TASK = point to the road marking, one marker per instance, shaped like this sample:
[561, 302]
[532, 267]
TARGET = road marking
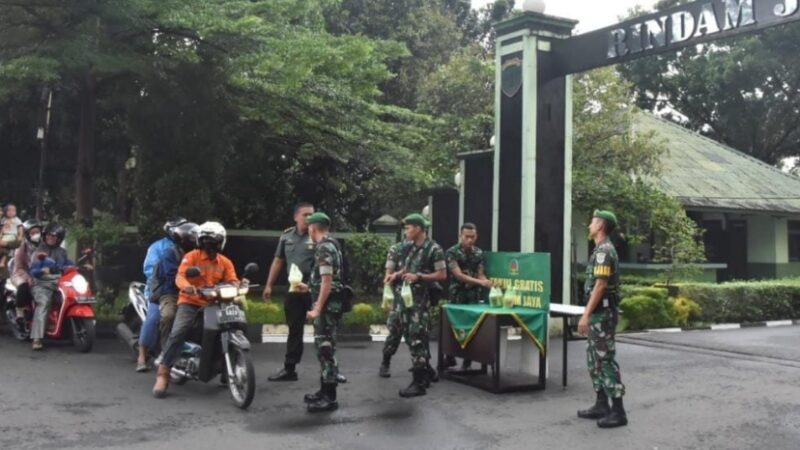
[665, 330]
[779, 323]
[726, 326]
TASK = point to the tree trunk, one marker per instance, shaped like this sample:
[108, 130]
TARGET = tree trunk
[84, 174]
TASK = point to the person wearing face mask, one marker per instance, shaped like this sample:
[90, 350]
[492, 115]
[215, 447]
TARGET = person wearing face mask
[20, 267]
[48, 261]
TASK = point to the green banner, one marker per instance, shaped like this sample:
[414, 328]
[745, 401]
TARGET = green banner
[466, 320]
[526, 273]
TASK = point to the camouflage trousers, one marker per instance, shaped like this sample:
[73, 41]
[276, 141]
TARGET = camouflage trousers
[416, 322]
[394, 324]
[601, 352]
[325, 327]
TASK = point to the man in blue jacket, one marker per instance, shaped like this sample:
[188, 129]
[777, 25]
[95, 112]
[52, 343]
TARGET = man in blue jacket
[162, 259]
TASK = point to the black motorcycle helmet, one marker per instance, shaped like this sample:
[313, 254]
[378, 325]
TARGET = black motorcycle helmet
[57, 229]
[171, 225]
[186, 235]
[29, 225]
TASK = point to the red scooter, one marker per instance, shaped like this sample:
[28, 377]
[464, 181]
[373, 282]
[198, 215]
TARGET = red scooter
[71, 313]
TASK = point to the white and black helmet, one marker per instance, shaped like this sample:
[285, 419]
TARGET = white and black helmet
[212, 231]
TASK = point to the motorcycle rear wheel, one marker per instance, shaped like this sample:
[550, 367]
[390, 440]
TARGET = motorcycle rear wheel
[243, 385]
[10, 314]
[83, 333]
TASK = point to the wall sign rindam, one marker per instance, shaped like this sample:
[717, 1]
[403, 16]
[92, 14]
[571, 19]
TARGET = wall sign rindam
[674, 28]
[681, 26]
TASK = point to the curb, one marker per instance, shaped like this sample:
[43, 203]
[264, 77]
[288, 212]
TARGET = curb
[724, 326]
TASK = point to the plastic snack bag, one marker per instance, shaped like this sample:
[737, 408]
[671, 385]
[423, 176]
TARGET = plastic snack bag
[407, 295]
[496, 296]
[510, 298]
[295, 278]
[388, 297]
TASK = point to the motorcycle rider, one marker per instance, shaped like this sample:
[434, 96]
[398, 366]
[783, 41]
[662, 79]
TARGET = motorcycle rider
[214, 268]
[160, 266]
[47, 262]
[20, 277]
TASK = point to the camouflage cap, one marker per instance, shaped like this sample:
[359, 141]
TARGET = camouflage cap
[608, 216]
[416, 219]
[319, 217]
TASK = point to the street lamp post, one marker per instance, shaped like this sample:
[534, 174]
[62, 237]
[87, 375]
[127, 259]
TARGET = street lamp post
[41, 135]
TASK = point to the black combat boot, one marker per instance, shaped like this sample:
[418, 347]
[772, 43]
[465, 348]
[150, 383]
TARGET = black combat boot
[450, 361]
[327, 401]
[311, 398]
[616, 417]
[384, 371]
[417, 386]
[599, 410]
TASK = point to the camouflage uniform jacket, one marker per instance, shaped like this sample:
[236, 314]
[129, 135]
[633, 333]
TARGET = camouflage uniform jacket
[472, 263]
[327, 261]
[603, 264]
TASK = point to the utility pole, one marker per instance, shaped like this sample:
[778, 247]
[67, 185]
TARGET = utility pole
[41, 135]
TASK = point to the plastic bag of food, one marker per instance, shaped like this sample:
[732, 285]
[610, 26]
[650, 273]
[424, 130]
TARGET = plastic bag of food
[295, 278]
[510, 298]
[388, 297]
[407, 295]
[496, 296]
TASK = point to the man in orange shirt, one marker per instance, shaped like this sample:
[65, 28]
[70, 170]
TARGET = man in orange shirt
[214, 268]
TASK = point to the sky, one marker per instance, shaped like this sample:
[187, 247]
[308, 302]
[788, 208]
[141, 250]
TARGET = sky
[592, 14]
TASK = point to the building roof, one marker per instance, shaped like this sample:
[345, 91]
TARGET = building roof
[705, 174]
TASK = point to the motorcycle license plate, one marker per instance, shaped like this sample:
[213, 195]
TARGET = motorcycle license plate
[231, 314]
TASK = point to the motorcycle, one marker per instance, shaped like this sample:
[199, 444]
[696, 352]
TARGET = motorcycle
[71, 314]
[133, 316]
[217, 344]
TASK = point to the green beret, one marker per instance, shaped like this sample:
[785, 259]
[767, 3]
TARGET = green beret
[416, 219]
[319, 217]
[609, 216]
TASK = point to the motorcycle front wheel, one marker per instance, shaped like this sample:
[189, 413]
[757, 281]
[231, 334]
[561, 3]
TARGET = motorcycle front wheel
[83, 333]
[243, 384]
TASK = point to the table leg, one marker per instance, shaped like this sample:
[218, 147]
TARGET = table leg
[496, 374]
[564, 352]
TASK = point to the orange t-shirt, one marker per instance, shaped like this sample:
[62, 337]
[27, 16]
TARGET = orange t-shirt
[211, 272]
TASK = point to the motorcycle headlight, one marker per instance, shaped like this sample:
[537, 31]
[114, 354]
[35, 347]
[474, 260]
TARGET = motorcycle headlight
[228, 292]
[80, 284]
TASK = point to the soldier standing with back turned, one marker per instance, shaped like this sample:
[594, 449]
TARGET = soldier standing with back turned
[599, 323]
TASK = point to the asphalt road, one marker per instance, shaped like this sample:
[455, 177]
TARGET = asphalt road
[711, 390]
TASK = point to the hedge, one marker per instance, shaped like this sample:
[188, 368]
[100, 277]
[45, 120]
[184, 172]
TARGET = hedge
[753, 301]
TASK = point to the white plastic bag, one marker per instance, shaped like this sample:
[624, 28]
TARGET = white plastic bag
[496, 296]
[407, 295]
[295, 278]
[388, 297]
[510, 298]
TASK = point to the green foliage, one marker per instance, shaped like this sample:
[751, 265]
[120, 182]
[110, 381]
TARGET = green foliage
[366, 254]
[685, 310]
[265, 313]
[653, 292]
[745, 301]
[613, 167]
[737, 91]
[362, 315]
[103, 236]
[643, 312]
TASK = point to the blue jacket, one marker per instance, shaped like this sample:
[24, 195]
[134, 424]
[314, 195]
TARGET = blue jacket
[155, 253]
[56, 260]
[165, 272]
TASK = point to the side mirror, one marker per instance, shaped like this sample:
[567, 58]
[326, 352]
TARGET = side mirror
[250, 271]
[193, 272]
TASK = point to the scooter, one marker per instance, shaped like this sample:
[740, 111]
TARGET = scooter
[217, 344]
[71, 314]
[133, 316]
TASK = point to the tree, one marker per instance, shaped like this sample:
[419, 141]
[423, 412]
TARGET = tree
[743, 91]
[613, 168]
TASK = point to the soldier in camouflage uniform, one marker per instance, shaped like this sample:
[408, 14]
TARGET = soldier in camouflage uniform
[326, 288]
[394, 264]
[468, 282]
[423, 264]
[599, 323]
